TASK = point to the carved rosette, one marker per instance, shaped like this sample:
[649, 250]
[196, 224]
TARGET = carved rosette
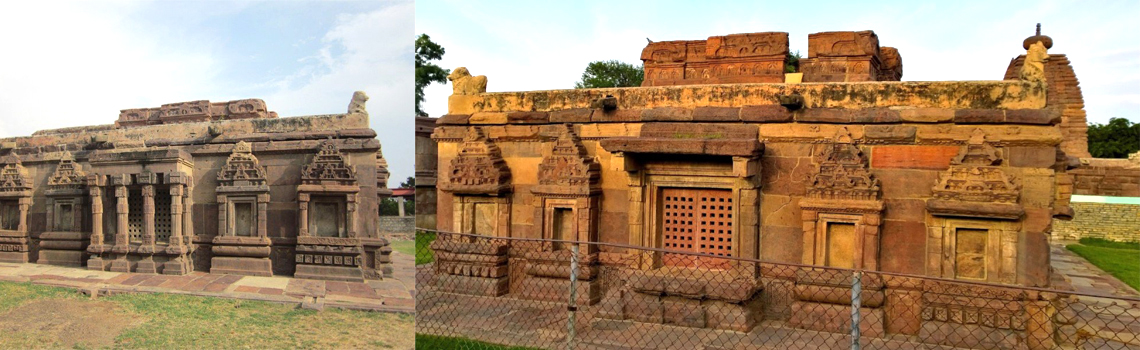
[975, 178]
[568, 170]
[329, 167]
[242, 169]
[479, 168]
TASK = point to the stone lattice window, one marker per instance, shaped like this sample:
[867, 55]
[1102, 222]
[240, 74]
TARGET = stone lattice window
[697, 221]
[135, 215]
[162, 214]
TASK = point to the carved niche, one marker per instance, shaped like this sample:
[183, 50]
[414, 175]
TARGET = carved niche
[480, 180]
[242, 246]
[975, 217]
[566, 206]
[327, 242]
[15, 200]
[843, 209]
[66, 238]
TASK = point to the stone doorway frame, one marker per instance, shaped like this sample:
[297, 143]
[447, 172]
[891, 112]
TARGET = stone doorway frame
[648, 178]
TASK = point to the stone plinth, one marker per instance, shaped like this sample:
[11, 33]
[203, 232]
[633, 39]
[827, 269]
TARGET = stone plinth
[471, 268]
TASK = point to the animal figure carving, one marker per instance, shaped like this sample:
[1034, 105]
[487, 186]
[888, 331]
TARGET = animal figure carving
[462, 83]
[1034, 68]
[359, 98]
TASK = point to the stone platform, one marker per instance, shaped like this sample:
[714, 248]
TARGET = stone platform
[394, 294]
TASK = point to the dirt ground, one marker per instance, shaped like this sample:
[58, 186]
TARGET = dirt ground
[64, 323]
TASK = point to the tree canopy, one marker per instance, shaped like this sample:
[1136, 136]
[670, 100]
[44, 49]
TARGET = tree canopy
[612, 73]
[1117, 139]
[426, 71]
[792, 62]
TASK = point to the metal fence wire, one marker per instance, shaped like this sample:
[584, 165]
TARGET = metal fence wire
[551, 294]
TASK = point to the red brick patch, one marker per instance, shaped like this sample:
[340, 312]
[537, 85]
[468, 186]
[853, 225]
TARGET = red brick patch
[271, 291]
[913, 157]
[246, 289]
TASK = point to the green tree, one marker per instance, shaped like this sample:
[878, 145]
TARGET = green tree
[606, 74]
[409, 183]
[792, 62]
[1117, 139]
[426, 71]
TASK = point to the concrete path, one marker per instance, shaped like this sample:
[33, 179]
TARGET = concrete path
[390, 295]
[1082, 275]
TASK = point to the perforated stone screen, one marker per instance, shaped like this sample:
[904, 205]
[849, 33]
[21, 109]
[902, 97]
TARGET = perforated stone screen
[697, 220]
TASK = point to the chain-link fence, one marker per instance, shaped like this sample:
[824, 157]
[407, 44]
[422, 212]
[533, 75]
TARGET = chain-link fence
[553, 294]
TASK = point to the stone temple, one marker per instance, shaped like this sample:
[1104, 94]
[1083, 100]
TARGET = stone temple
[852, 168]
[223, 187]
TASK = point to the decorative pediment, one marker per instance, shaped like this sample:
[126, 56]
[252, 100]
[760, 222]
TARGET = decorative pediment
[842, 173]
[568, 170]
[242, 168]
[976, 186]
[479, 168]
[68, 175]
[329, 167]
[974, 175]
[14, 179]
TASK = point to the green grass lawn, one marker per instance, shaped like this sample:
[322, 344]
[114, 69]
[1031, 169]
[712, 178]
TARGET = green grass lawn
[424, 341]
[406, 247]
[423, 253]
[33, 317]
[1121, 260]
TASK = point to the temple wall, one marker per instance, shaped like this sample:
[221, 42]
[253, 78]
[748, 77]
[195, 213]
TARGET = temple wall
[909, 131]
[283, 146]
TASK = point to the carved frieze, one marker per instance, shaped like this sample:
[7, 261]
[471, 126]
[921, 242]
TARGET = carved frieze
[568, 170]
[479, 168]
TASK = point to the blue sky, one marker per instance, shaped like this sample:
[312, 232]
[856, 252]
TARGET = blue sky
[79, 63]
[537, 45]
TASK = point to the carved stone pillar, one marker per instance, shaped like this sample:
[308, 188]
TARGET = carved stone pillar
[175, 216]
[350, 222]
[122, 237]
[303, 216]
[96, 248]
[147, 264]
[122, 209]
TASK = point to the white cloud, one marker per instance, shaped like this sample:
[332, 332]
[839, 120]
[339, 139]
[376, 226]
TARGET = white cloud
[79, 65]
[375, 56]
[73, 64]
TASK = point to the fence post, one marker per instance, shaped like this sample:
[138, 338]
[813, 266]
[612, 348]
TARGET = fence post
[856, 303]
[572, 307]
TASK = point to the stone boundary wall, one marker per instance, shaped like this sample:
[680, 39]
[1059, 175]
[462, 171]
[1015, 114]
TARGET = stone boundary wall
[1107, 177]
[397, 224]
[1111, 221]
